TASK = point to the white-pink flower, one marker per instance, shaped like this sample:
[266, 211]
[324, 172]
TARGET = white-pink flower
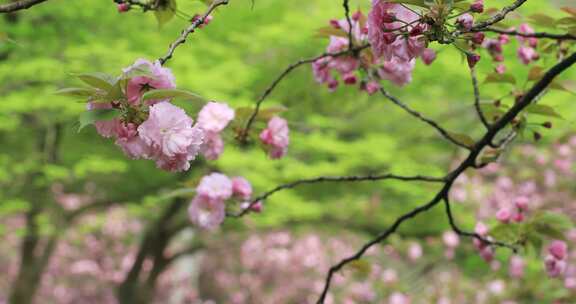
[213, 146]
[169, 129]
[132, 145]
[215, 186]
[149, 76]
[215, 116]
[381, 19]
[397, 71]
[276, 137]
[466, 21]
[206, 213]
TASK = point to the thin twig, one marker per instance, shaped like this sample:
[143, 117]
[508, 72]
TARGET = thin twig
[190, 29]
[244, 134]
[530, 35]
[324, 179]
[347, 14]
[430, 122]
[461, 232]
[477, 98]
[498, 16]
[469, 162]
[18, 5]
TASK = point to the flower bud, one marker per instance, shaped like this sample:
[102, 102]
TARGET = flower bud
[472, 59]
[123, 7]
[477, 6]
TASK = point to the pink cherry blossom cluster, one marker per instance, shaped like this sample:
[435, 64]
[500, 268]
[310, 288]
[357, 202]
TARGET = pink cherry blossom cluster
[208, 208]
[555, 261]
[526, 51]
[396, 36]
[517, 214]
[157, 129]
[484, 249]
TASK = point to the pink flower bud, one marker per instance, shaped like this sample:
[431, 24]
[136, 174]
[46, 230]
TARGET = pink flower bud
[518, 217]
[554, 267]
[477, 7]
[357, 15]
[504, 215]
[503, 38]
[372, 87]
[521, 203]
[472, 59]
[478, 38]
[332, 84]
[241, 187]
[256, 207]
[558, 249]
[466, 21]
[123, 7]
[451, 239]
[335, 24]
[428, 56]
[350, 79]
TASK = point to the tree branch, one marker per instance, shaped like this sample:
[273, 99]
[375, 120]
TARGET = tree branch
[469, 162]
[498, 16]
[18, 5]
[430, 122]
[460, 232]
[277, 80]
[190, 29]
[477, 98]
[323, 179]
[531, 35]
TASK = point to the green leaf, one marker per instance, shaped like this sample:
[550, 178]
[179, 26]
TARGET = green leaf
[165, 12]
[89, 117]
[330, 31]
[535, 73]
[543, 110]
[172, 93]
[565, 86]
[500, 78]
[509, 233]
[76, 92]
[421, 3]
[462, 138]
[97, 80]
[543, 20]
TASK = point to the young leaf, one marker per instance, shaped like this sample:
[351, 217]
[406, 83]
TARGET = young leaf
[76, 92]
[500, 78]
[543, 110]
[165, 12]
[97, 80]
[171, 93]
[543, 20]
[462, 138]
[328, 31]
[535, 73]
[89, 117]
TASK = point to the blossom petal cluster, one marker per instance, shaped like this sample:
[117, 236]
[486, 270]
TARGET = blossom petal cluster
[276, 137]
[156, 129]
[207, 209]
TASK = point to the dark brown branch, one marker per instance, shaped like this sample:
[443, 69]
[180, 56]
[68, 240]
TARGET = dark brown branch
[349, 21]
[18, 5]
[324, 179]
[190, 29]
[277, 80]
[469, 162]
[498, 16]
[417, 114]
[531, 35]
[477, 98]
